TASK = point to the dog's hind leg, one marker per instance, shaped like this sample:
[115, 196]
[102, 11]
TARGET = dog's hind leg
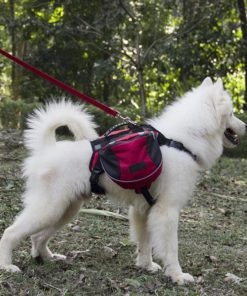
[25, 225]
[40, 250]
[140, 235]
[33, 219]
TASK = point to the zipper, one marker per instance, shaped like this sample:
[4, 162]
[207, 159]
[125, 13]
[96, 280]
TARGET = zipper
[122, 141]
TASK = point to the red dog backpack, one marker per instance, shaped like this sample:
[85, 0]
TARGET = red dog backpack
[130, 157]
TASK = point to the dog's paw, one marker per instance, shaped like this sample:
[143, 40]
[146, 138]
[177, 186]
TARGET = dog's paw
[151, 267]
[49, 257]
[58, 257]
[181, 278]
[10, 268]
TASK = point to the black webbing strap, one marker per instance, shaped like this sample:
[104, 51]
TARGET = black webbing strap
[150, 200]
[162, 140]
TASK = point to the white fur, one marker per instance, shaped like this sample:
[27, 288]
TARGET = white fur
[41, 132]
[58, 175]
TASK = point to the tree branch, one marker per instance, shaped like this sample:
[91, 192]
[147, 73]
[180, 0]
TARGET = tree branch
[129, 13]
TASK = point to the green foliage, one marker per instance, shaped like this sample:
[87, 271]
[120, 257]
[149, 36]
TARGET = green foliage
[13, 113]
[234, 82]
[129, 54]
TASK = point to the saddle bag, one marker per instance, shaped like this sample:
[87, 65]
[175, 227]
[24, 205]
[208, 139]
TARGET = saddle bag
[130, 157]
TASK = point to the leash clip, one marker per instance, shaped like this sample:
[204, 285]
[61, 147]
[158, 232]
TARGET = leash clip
[125, 119]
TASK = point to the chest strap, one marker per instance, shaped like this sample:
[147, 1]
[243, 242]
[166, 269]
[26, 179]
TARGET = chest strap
[174, 144]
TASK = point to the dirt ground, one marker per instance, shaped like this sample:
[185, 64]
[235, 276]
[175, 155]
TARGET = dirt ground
[100, 256]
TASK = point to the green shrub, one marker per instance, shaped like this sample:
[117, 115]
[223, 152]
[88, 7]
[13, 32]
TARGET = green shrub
[13, 113]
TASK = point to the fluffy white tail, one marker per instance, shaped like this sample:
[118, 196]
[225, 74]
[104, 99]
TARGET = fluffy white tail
[44, 122]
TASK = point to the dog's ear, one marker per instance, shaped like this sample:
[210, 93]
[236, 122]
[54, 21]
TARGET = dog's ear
[207, 81]
[219, 91]
[219, 84]
[221, 101]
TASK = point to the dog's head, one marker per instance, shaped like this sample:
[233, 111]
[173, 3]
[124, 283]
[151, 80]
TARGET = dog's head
[231, 126]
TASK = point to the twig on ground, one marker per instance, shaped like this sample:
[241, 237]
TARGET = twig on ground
[62, 291]
[103, 213]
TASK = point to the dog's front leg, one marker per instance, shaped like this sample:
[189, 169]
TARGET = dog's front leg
[163, 226]
[140, 235]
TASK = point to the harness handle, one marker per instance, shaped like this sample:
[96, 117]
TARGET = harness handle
[127, 122]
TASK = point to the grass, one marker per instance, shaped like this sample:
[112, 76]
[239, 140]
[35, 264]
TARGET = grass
[212, 240]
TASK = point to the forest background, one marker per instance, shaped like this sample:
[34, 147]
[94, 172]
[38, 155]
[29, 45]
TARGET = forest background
[136, 56]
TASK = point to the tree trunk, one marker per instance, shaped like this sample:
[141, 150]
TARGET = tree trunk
[139, 68]
[17, 49]
[243, 22]
[106, 89]
[13, 45]
[142, 93]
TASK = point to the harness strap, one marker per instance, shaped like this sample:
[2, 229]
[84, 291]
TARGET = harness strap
[94, 180]
[174, 144]
[150, 200]
[162, 140]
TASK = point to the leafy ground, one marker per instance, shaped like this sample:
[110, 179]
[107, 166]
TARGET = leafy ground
[213, 240]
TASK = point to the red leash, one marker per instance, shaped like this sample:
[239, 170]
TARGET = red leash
[61, 84]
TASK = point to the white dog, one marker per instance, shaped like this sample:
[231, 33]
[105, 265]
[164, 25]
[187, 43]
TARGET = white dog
[58, 175]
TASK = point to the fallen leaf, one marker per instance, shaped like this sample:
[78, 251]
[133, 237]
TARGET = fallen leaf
[211, 258]
[230, 277]
[76, 228]
[109, 251]
[133, 283]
